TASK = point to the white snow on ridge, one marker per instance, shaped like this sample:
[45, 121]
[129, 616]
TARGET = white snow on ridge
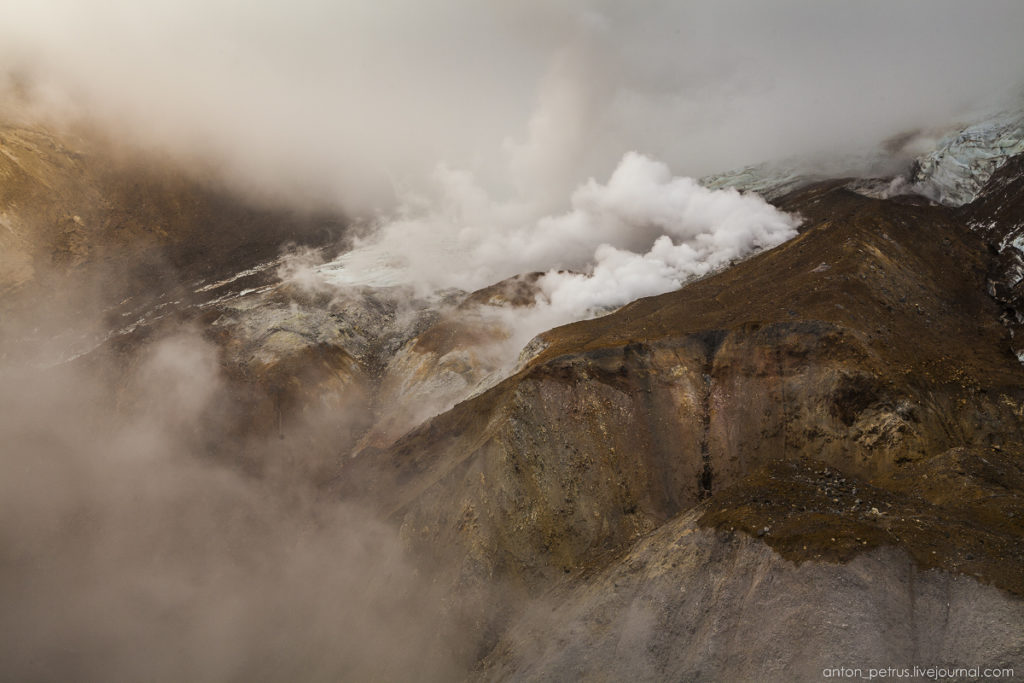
[952, 173]
[239, 275]
[958, 168]
[371, 266]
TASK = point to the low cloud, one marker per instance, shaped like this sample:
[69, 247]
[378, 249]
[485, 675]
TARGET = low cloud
[643, 232]
[127, 554]
[345, 103]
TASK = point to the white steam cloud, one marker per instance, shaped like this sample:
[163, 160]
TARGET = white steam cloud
[701, 230]
[644, 232]
[641, 233]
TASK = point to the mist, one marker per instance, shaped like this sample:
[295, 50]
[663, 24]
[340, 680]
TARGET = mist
[127, 553]
[348, 104]
[640, 233]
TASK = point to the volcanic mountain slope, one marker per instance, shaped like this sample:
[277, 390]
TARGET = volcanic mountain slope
[850, 394]
[103, 252]
[867, 343]
[73, 199]
[814, 455]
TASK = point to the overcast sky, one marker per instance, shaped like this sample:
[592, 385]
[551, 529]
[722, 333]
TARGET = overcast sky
[341, 101]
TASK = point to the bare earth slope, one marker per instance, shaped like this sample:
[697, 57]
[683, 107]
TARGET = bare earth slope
[850, 394]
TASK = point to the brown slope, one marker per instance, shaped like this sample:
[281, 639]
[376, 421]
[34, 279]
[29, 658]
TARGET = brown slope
[883, 269]
[867, 343]
[83, 221]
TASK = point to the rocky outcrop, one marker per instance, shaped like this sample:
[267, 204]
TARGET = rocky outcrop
[466, 347]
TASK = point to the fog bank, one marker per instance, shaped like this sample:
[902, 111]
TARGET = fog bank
[126, 554]
[342, 103]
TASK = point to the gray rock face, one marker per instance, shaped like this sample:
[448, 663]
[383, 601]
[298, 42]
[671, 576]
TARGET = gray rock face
[690, 604]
